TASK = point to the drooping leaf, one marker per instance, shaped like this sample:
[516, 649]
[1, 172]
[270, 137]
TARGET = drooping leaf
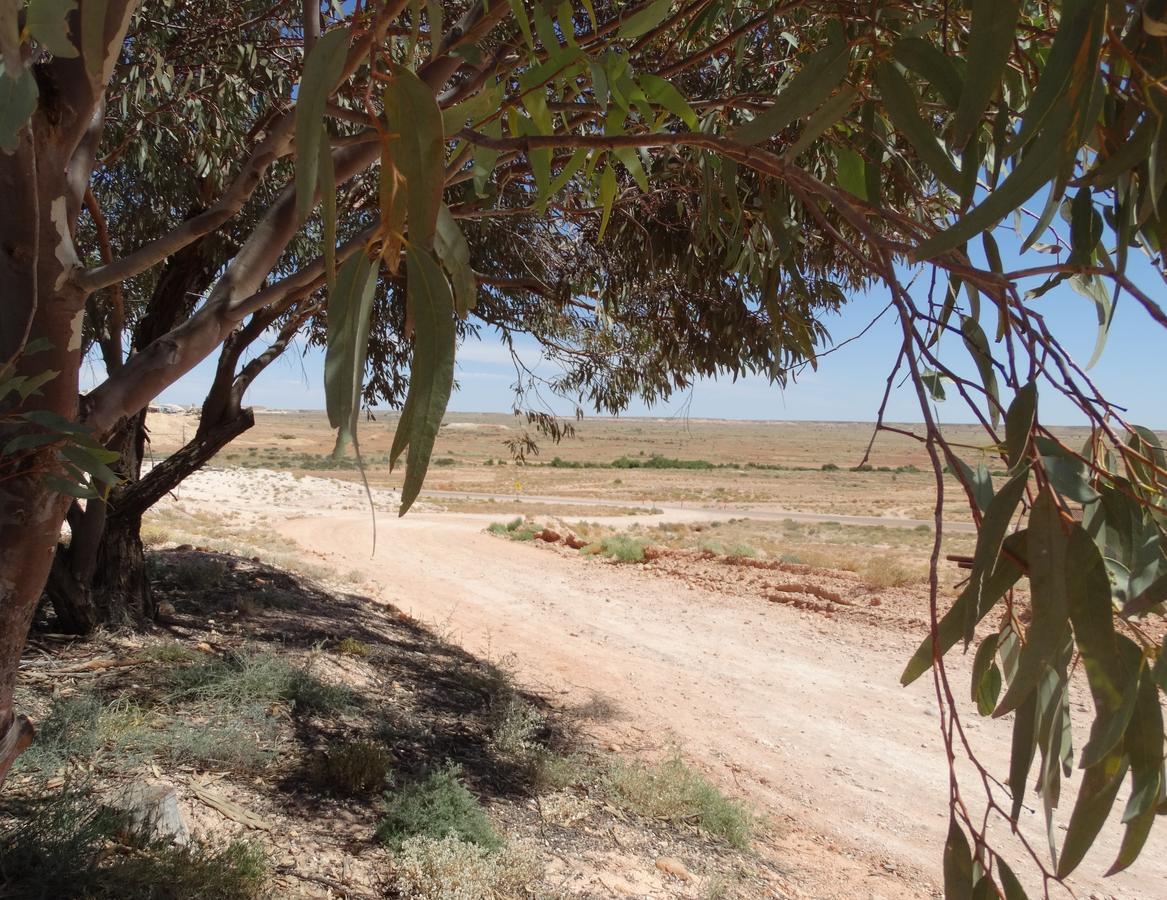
[1019, 423]
[903, 106]
[1096, 796]
[431, 376]
[958, 864]
[994, 30]
[413, 117]
[452, 249]
[820, 74]
[1048, 546]
[1144, 743]
[607, 196]
[978, 347]
[327, 178]
[927, 60]
[662, 93]
[349, 309]
[645, 20]
[322, 72]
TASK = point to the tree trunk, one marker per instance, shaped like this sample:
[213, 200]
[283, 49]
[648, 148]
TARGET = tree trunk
[101, 578]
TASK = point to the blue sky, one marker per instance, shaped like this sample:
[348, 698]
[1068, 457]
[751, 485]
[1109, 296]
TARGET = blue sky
[847, 386]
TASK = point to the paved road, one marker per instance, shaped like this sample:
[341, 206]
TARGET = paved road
[673, 512]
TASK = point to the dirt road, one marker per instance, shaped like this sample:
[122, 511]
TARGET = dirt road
[796, 708]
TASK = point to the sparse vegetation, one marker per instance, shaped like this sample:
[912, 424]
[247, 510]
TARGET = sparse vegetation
[350, 646]
[672, 791]
[438, 807]
[447, 868]
[258, 678]
[357, 768]
[61, 847]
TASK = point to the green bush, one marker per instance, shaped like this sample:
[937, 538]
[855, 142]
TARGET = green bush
[445, 461]
[623, 549]
[438, 807]
[671, 791]
[497, 528]
[515, 523]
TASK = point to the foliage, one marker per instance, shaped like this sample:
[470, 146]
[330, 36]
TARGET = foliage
[672, 791]
[437, 807]
[59, 847]
[657, 191]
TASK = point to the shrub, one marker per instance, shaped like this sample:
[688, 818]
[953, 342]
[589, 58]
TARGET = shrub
[673, 792]
[829, 467]
[438, 807]
[886, 572]
[196, 573]
[60, 847]
[498, 528]
[445, 461]
[239, 737]
[449, 869]
[352, 647]
[357, 768]
[741, 551]
[623, 549]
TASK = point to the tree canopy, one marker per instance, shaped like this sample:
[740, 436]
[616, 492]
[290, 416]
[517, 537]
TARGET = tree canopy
[657, 190]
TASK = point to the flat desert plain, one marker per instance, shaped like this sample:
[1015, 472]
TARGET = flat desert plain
[775, 598]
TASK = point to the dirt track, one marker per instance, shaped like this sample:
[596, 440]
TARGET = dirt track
[800, 708]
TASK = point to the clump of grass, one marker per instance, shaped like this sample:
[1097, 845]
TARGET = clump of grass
[59, 846]
[352, 769]
[741, 551]
[623, 548]
[445, 461]
[172, 653]
[672, 791]
[449, 869]
[239, 737]
[498, 528]
[887, 572]
[515, 523]
[438, 807]
[196, 572]
[85, 728]
[259, 678]
[352, 647]
[514, 738]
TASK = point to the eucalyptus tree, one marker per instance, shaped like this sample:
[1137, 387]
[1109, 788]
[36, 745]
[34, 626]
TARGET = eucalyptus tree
[788, 152]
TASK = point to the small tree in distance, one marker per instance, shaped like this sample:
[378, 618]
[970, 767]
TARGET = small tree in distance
[787, 152]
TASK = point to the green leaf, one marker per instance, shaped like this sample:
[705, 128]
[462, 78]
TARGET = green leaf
[485, 159]
[645, 20]
[569, 170]
[1048, 575]
[934, 382]
[90, 462]
[431, 377]
[828, 115]
[327, 178]
[985, 675]
[958, 864]
[18, 98]
[520, 14]
[1111, 668]
[929, 61]
[953, 624]
[999, 515]
[1144, 742]
[849, 172]
[821, 72]
[412, 114]
[350, 306]
[994, 30]
[627, 155]
[452, 249]
[1019, 424]
[662, 93]
[1009, 883]
[1023, 746]
[903, 107]
[1085, 228]
[48, 22]
[1094, 289]
[978, 347]
[607, 196]
[322, 73]
[1100, 786]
